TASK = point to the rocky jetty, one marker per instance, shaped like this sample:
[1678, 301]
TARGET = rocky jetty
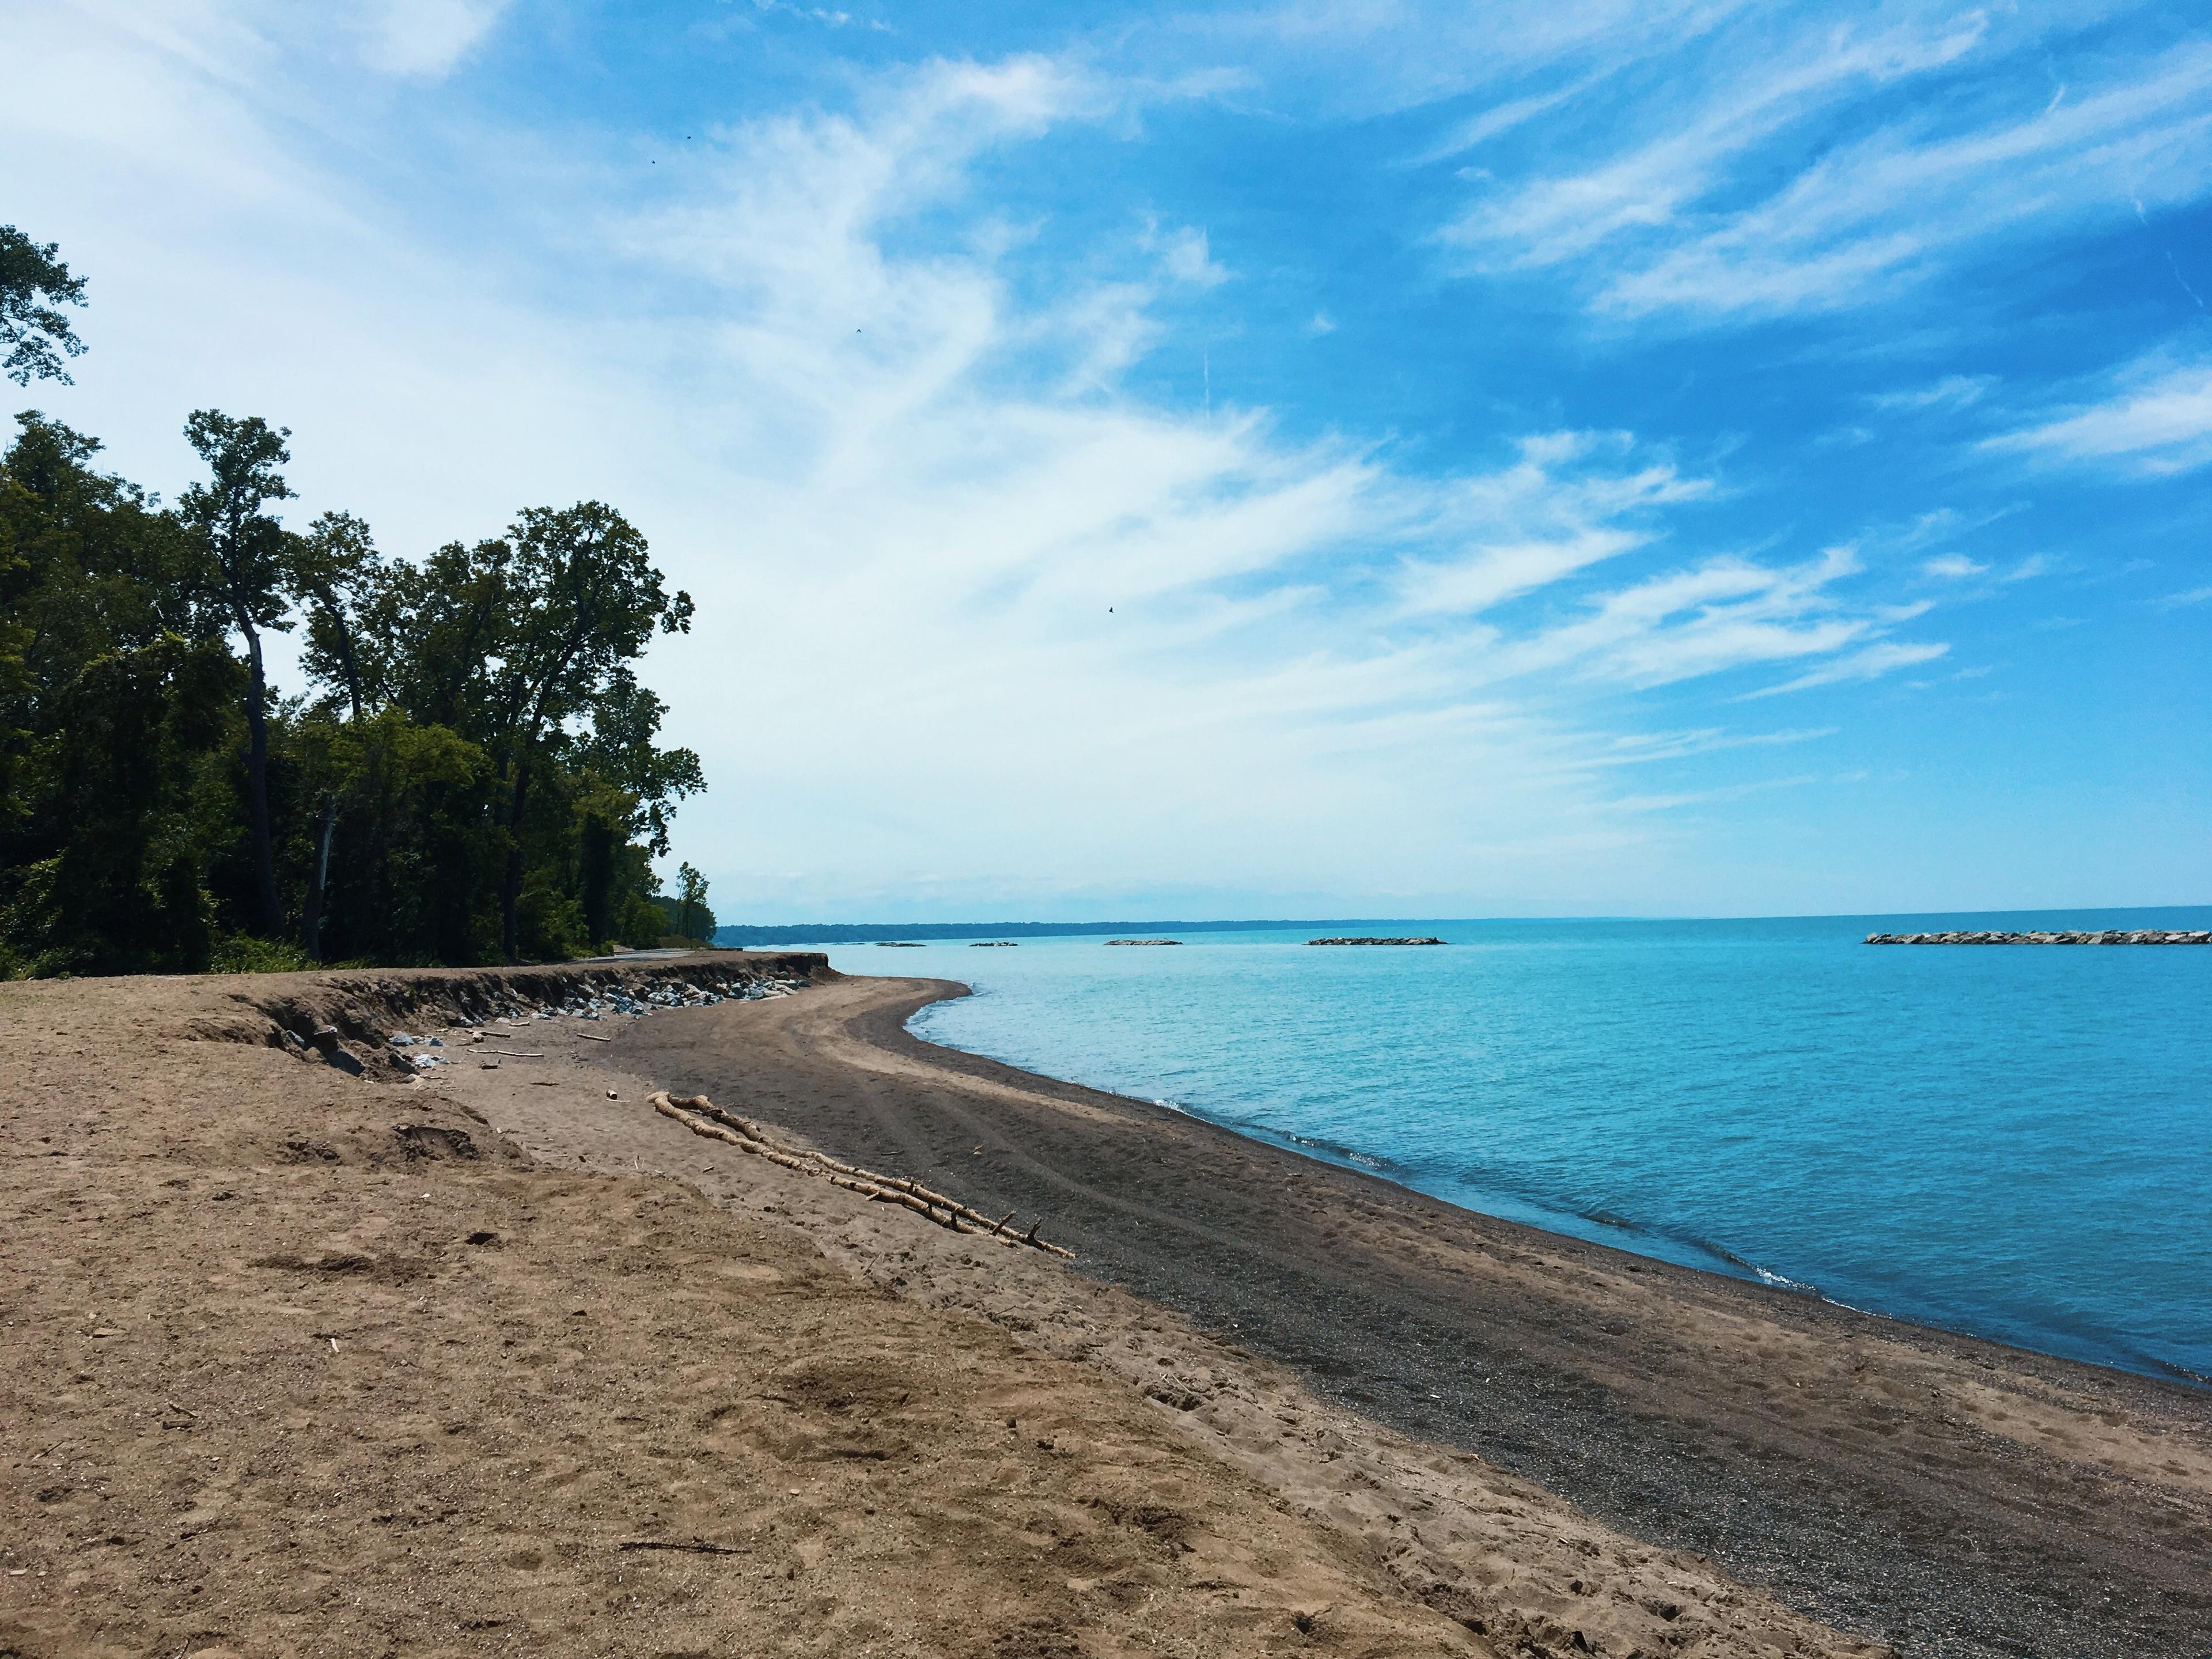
[1375, 941]
[1144, 941]
[2108, 936]
[993, 945]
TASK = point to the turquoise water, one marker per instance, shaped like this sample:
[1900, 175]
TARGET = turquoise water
[2015, 1142]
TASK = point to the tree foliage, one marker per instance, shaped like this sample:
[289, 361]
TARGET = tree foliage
[35, 335]
[475, 773]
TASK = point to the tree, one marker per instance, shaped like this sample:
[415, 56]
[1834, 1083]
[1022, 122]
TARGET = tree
[581, 603]
[248, 555]
[336, 569]
[33, 282]
[691, 912]
[125, 894]
[88, 566]
[337, 573]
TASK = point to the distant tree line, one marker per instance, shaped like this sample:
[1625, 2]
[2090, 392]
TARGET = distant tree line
[473, 774]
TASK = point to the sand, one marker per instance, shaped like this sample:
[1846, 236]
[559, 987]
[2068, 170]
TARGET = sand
[300, 1362]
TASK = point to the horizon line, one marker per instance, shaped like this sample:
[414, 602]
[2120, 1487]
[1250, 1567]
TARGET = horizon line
[965, 929]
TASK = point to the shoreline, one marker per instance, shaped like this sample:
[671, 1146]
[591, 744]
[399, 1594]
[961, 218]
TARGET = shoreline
[1710, 1259]
[1600, 1230]
[1716, 1262]
[1836, 1455]
[660, 1394]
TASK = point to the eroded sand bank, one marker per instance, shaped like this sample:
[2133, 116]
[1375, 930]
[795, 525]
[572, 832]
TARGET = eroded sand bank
[546, 1372]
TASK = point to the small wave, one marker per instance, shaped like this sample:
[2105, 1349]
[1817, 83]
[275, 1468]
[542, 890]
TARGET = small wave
[2174, 1368]
[1328, 1150]
[1763, 1275]
[1607, 1218]
[1333, 1149]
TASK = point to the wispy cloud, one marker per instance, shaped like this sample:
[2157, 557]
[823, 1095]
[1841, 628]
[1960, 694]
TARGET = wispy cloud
[425, 39]
[1186, 256]
[1716, 617]
[1871, 663]
[828, 17]
[2152, 419]
[1952, 392]
[1720, 212]
[1564, 506]
[1549, 220]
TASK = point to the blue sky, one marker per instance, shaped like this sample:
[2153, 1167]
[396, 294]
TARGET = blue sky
[1372, 458]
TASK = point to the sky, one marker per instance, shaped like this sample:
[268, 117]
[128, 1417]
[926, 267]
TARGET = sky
[1551, 457]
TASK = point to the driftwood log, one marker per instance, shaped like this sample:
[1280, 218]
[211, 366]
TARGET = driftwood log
[702, 1117]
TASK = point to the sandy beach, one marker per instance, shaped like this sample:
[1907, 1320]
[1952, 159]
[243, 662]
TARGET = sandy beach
[501, 1359]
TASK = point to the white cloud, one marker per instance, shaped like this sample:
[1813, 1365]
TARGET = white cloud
[2192, 595]
[2152, 419]
[1687, 214]
[829, 17]
[1556, 512]
[1952, 392]
[1382, 55]
[1869, 664]
[980, 619]
[1185, 257]
[426, 39]
[1951, 566]
[1724, 615]
[1551, 220]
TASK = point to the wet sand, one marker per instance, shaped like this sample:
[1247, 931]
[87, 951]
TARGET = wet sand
[1948, 1495]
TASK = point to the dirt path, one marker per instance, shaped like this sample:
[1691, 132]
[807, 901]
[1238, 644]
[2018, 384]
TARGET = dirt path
[1953, 1497]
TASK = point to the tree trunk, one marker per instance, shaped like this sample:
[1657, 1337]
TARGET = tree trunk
[310, 920]
[511, 895]
[257, 786]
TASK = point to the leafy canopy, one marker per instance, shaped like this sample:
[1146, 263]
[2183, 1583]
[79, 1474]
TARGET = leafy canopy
[35, 335]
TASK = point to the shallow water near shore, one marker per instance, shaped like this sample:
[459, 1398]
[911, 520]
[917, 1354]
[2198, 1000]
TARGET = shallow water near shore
[2013, 1141]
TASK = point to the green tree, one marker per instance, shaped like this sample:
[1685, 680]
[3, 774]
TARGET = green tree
[692, 916]
[124, 894]
[336, 570]
[248, 556]
[582, 603]
[337, 574]
[34, 282]
[92, 576]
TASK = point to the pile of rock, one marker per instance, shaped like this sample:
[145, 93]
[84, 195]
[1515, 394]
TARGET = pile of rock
[1375, 941]
[493, 998]
[1144, 941]
[602, 1003]
[2107, 936]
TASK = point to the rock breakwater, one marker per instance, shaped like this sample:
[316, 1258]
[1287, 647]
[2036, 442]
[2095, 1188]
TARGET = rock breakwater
[1432, 940]
[2106, 936]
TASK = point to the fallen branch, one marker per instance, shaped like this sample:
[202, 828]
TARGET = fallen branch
[697, 1547]
[590, 1037]
[514, 1054]
[702, 1117]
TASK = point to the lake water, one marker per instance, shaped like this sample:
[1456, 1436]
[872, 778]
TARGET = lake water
[2015, 1142]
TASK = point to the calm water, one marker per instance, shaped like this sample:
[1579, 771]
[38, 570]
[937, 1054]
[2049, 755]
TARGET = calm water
[2015, 1142]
